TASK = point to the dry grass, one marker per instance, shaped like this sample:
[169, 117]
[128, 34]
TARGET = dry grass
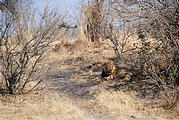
[127, 106]
[39, 107]
[119, 101]
[66, 49]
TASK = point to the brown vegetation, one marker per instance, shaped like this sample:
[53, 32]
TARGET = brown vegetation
[134, 45]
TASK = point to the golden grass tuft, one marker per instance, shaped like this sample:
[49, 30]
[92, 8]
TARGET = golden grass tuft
[39, 107]
[126, 106]
[119, 101]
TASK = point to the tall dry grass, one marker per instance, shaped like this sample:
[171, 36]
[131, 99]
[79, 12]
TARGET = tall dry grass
[128, 106]
[39, 107]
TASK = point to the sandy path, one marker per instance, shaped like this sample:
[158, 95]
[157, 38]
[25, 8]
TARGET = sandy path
[66, 82]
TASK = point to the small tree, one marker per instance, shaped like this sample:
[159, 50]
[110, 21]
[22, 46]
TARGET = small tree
[94, 19]
[25, 38]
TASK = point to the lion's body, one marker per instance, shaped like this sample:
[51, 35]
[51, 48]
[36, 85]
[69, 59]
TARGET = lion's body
[110, 71]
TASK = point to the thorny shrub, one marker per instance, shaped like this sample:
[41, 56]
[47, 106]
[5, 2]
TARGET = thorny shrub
[159, 49]
[24, 43]
[157, 25]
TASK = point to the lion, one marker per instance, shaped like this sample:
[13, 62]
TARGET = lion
[110, 71]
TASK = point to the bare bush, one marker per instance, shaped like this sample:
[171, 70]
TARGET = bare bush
[160, 57]
[116, 26]
[156, 23]
[24, 42]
